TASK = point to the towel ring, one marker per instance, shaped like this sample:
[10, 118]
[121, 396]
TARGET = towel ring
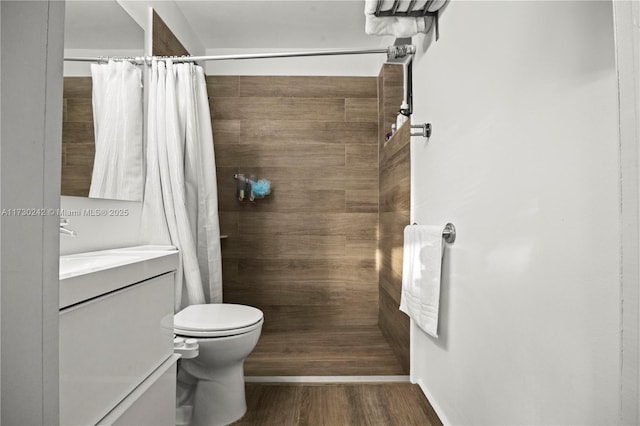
[448, 233]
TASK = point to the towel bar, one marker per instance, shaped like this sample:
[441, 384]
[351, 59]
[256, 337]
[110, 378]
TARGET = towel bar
[448, 233]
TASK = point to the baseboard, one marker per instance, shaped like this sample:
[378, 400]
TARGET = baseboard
[433, 402]
[326, 379]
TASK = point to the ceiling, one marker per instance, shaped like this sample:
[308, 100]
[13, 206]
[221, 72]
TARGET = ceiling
[100, 24]
[278, 24]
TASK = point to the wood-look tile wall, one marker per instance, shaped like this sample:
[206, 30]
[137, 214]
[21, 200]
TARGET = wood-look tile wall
[306, 254]
[164, 42]
[78, 147]
[395, 203]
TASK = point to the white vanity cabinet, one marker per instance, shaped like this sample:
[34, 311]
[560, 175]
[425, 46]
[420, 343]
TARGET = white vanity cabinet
[116, 346]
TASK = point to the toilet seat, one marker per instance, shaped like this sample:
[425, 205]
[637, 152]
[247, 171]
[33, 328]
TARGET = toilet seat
[216, 320]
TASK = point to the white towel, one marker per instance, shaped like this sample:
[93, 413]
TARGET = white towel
[398, 26]
[421, 273]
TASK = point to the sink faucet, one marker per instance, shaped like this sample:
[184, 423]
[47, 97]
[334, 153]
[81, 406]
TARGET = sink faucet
[64, 231]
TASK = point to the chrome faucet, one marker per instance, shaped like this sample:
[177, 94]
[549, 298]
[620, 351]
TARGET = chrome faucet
[64, 231]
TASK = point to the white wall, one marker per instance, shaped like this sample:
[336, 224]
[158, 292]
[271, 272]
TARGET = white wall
[524, 160]
[31, 85]
[627, 34]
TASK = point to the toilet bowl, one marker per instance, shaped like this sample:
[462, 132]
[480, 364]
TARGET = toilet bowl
[226, 335]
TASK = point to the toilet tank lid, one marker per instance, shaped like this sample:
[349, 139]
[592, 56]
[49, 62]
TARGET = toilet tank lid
[216, 316]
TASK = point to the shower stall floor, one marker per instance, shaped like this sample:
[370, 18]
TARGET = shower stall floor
[359, 351]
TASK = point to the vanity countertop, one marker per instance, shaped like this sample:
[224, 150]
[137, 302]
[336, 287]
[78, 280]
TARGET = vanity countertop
[84, 276]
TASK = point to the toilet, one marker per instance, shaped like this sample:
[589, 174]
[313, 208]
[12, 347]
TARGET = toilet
[226, 334]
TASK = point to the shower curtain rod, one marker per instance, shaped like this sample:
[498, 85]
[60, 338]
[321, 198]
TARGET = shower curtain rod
[393, 52]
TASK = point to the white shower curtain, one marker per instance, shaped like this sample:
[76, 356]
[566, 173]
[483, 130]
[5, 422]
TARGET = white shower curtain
[117, 119]
[180, 201]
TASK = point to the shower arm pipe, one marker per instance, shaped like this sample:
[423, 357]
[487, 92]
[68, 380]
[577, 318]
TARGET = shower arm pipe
[393, 52]
[407, 74]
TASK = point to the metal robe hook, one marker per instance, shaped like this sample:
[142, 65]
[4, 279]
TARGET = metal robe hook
[449, 233]
[425, 130]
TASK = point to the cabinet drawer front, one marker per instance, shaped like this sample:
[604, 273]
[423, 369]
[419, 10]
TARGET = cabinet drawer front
[153, 403]
[111, 344]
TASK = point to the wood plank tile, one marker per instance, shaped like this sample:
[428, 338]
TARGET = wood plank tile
[348, 351]
[77, 132]
[308, 86]
[261, 399]
[287, 246]
[361, 201]
[293, 179]
[77, 136]
[311, 270]
[229, 223]
[393, 75]
[362, 247]
[224, 176]
[391, 249]
[394, 206]
[227, 196]
[394, 325]
[80, 154]
[365, 109]
[362, 156]
[77, 87]
[392, 172]
[304, 258]
[228, 126]
[164, 41]
[321, 109]
[310, 223]
[76, 180]
[388, 285]
[329, 403]
[289, 291]
[395, 197]
[308, 131]
[327, 201]
[280, 155]
[362, 178]
[79, 110]
[304, 318]
[371, 402]
[225, 131]
[393, 178]
[406, 405]
[352, 404]
[223, 86]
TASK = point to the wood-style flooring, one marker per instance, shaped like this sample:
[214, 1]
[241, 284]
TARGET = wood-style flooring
[356, 351]
[387, 404]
